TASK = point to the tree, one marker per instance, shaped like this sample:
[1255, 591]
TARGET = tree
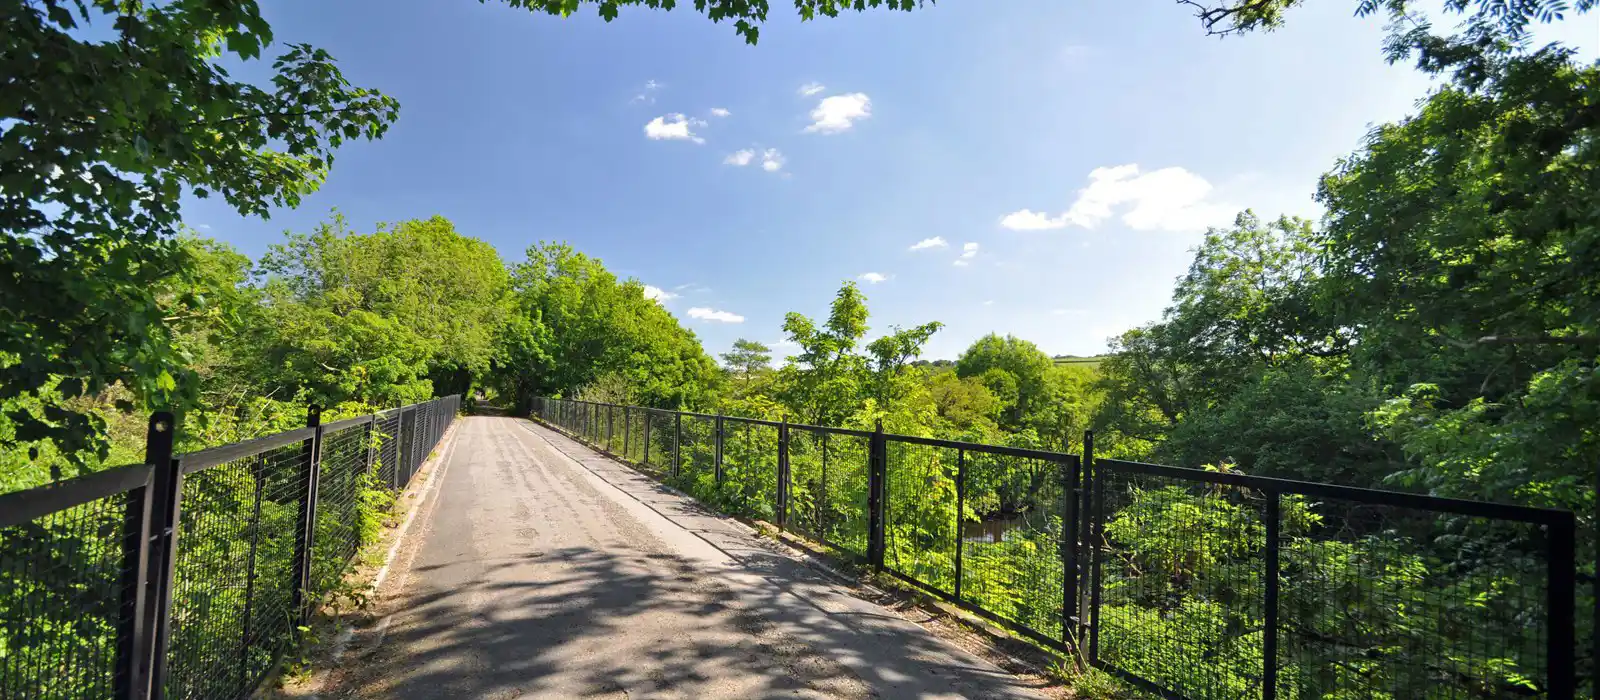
[1013, 369]
[1510, 16]
[748, 358]
[1249, 303]
[576, 322]
[386, 318]
[891, 355]
[822, 383]
[746, 14]
[101, 139]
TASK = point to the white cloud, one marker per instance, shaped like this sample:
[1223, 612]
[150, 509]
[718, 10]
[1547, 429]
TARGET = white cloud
[839, 112]
[1028, 220]
[926, 243]
[658, 294]
[647, 93]
[969, 251]
[673, 127]
[720, 112]
[960, 263]
[810, 89]
[990, 302]
[873, 277]
[719, 316]
[1169, 199]
[771, 160]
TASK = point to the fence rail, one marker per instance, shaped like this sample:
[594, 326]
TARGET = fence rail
[1186, 583]
[190, 576]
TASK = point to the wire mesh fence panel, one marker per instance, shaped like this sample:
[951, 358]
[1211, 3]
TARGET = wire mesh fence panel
[920, 517]
[808, 484]
[1384, 602]
[387, 452]
[233, 584]
[343, 525]
[662, 435]
[613, 441]
[844, 517]
[749, 469]
[1011, 538]
[419, 451]
[697, 457]
[61, 579]
[1181, 568]
[596, 415]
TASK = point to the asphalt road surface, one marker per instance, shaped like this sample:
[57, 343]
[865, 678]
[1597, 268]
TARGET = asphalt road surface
[542, 569]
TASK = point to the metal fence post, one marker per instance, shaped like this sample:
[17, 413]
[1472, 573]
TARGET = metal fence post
[166, 496]
[627, 430]
[961, 510]
[783, 474]
[305, 535]
[1070, 614]
[717, 443]
[250, 575]
[1085, 534]
[876, 461]
[677, 444]
[132, 671]
[1096, 495]
[1562, 642]
[645, 460]
[822, 493]
[1269, 642]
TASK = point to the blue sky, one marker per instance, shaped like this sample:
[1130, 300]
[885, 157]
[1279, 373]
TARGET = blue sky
[1075, 149]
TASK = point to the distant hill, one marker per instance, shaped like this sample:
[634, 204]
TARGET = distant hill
[1077, 360]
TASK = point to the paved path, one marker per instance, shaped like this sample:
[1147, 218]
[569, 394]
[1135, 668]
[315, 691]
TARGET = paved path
[546, 570]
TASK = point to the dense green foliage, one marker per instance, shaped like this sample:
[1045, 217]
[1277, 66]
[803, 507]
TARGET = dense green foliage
[573, 323]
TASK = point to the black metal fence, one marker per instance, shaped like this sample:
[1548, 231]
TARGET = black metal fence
[190, 576]
[1186, 583]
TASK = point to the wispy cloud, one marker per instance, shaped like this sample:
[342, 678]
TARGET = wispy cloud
[674, 127]
[968, 252]
[719, 112]
[873, 277]
[839, 112]
[811, 88]
[989, 302]
[717, 315]
[1169, 199]
[771, 160]
[657, 294]
[647, 94]
[929, 243]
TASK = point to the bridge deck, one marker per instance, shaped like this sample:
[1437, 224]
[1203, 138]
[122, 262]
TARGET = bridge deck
[543, 569]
